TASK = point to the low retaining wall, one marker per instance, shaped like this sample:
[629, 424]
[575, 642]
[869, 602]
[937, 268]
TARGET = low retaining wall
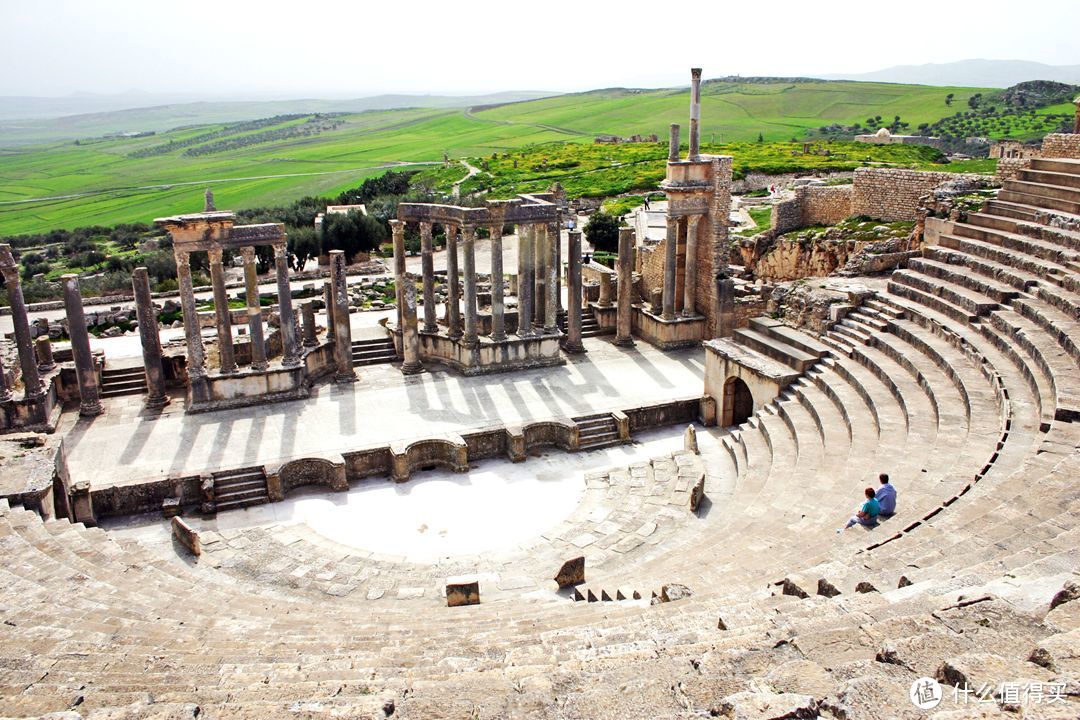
[397, 461]
[1061, 145]
[892, 195]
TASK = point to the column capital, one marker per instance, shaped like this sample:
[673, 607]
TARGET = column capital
[280, 251]
[248, 253]
[214, 253]
[397, 227]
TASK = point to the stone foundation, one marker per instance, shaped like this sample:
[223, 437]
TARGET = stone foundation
[247, 387]
[668, 334]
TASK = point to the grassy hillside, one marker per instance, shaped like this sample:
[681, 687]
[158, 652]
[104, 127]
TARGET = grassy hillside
[125, 180]
[735, 111]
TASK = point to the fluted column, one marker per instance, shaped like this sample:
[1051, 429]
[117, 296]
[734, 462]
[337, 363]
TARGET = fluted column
[572, 343]
[539, 275]
[290, 347]
[226, 356]
[196, 353]
[397, 230]
[468, 236]
[526, 281]
[670, 260]
[690, 270]
[427, 262]
[498, 321]
[328, 304]
[623, 317]
[85, 372]
[551, 306]
[150, 339]
[343, 366]
[254, 309]
[410, 337]
[19, 318]
[454, 283]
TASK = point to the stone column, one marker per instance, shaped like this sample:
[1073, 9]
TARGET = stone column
[551, 284]
[605, 290]
[673, 143]
[690, 273]
[397, 229]
[254, 309]
[454, 283]
[498, 321]
[290, 347]
[526, 280]
[670, 260]
[89, 389]
[572, 343]
[226, 357]
[328, 304]
[196, 354]
[623, 318]
[19, 318]
[410, 337]
[427, 260]
[695, 114]
[5, 389]
[343, 366]
[468, 235]
[151, 340]
[43, 350]
[539, 275]
[308, 328]
[558, 267]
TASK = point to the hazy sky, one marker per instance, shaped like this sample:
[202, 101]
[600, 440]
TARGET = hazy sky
[348, 48]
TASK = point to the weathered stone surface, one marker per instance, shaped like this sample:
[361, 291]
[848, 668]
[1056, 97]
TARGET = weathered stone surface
[674, 591]
[571, 573]
[1068, 593]
[766, 706]
[788, 587]
[826, 588]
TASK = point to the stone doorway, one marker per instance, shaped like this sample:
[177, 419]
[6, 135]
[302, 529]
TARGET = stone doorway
[738, 402]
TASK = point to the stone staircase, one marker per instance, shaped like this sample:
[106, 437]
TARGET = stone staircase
[123, 381]
[373, 351]
[776, 341]
[597, 431]
[589, 326]
[240, 488]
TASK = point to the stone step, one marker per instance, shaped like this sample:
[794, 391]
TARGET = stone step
[1039, 230]
[996, 291]
[876, 303]
[120, 373]
[1045, 269]
[1051, 177]
[789, 335]
[1018, 279]
[1058, 165]
[1010, 210]
[1037, 196]
[776, 349]
[1015, 241]
[1044, 190]
[973, 304]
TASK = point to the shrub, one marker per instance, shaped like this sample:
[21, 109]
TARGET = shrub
[602, 231]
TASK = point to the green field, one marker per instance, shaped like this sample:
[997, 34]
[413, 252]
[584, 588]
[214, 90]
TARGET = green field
[111, 186]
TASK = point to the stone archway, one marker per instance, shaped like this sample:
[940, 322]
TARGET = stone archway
[738, 402]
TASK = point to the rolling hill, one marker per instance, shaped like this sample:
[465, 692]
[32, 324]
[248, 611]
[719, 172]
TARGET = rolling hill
[64, 185]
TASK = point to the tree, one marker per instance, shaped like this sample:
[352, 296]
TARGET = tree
[602, 231]
[973, 101]
[354, 233]
[949, 98]
[303, 246]
[760, 138]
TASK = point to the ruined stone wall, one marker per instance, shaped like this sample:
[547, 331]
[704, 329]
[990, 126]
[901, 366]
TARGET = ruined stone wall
[892, 195]
[652, 265]
[812, 205]
[761, 181]
[713, 248]
[1061, 145]
[1009, 168]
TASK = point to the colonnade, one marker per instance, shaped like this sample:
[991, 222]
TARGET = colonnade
[538, 287]
[670, 301]
[291, 356]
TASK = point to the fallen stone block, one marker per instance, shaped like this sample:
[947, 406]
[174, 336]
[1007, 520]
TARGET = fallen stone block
[1068, 593]
[186, 535]
[674, 591]
[826, 588]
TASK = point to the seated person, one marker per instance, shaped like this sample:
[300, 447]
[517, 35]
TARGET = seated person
[867, 514]
[886, 496]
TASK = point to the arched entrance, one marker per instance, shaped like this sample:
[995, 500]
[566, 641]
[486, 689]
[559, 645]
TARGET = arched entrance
[738, 402]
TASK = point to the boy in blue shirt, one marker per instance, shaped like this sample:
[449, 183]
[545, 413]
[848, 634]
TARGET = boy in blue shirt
[867, 515]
